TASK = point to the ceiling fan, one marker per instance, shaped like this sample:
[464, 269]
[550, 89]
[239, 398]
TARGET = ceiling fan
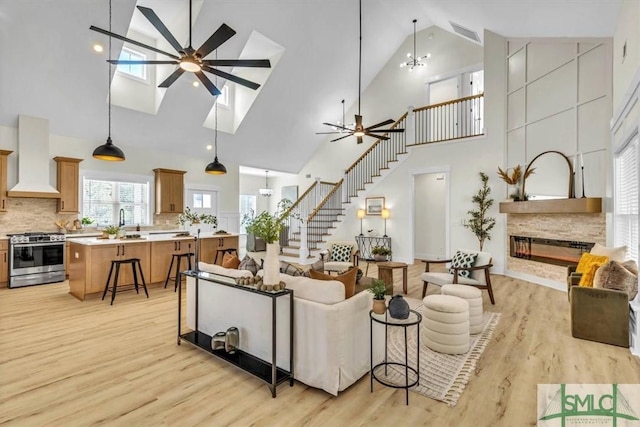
[360, 131]
[191, 59]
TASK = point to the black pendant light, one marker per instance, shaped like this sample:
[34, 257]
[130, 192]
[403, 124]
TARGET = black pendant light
[215, 167]
[108, 151]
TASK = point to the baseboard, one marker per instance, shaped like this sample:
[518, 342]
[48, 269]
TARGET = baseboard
[537, 280]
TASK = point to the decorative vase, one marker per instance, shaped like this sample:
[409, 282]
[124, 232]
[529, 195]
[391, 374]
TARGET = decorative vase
[112, 236]
[398, 307]
[232, 340]
[218, 341]
[378, 306]
[272, 265]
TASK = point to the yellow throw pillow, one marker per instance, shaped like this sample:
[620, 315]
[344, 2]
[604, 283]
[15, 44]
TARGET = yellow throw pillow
[587, 277]
[587, 259]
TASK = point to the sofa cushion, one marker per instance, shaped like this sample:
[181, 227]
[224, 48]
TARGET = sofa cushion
[218, 269]
[341, 253]
[587, 259]
[317, 266]
[348, 279]
[230, 261]
[614, 275]
[290, 269]
[320, 291]
[616, 254]
[463, 260]
[249, 264]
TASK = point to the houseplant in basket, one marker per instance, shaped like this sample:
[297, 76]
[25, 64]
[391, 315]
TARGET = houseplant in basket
[380, 253]
[378, 289]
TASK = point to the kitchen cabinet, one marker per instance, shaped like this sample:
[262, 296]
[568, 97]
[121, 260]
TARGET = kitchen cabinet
[3, 181]
[169, 190]
[68, 177]
[161, 254]
[4, 262]
[210, 246]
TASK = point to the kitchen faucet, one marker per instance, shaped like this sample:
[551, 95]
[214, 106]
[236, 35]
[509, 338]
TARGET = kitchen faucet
[121, 223]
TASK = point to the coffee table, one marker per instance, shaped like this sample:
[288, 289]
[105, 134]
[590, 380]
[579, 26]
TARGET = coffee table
[385, 273]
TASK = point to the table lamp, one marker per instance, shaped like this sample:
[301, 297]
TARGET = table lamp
[360, 216]
[385, 215]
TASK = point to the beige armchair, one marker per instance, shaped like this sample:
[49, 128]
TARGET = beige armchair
[480, 277]
[332, 259]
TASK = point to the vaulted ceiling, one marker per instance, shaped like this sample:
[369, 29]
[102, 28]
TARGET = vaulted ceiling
[49, 70]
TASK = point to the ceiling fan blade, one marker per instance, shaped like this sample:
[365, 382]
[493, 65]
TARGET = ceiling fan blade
[231, 77]
[259, 63]
[156, 22]
[338, 126]
[342, 137]
[222, 34]
[386, 122]
[119, 37]
[327, 133]
[386, 130]
[359, 139]
[207, 83]
[172, 78]
[122, 61]
[384, 138]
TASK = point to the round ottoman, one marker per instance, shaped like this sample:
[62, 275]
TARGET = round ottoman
[474, 298]
[446, 324]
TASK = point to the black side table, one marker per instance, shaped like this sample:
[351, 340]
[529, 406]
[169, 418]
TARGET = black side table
[414, 319]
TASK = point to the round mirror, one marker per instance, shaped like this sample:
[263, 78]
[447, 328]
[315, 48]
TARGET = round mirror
[551, 179]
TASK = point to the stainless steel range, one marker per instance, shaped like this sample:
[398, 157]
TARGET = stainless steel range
[36, 259]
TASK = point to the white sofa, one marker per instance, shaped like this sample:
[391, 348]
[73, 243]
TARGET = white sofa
[331, 334]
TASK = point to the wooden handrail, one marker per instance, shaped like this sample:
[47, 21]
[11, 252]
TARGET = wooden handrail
[453, 101]
[324, 201]
[286, 213]
[374, 144]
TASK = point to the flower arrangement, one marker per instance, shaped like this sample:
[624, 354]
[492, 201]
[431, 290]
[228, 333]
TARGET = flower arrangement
[191, 218]
[514, 178]
[267, 226]
[112, 229]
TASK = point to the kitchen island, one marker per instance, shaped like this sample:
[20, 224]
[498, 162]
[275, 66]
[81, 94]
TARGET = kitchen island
[89, 258]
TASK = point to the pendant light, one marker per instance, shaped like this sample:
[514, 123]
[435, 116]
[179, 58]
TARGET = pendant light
[108, 151]
[215, 167]
[414, 61]
[266, 192]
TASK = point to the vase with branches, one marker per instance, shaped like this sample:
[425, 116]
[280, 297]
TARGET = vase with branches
[480, 223]
[514, 180]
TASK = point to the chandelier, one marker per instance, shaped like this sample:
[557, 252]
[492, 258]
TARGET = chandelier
[266, 192]
[414, 61]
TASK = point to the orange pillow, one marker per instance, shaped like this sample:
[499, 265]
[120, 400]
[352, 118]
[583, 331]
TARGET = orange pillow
[348, 279]
[230, 261]
[587, 277]
[587, 259]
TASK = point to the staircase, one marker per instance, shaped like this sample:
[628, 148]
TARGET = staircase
[314, 215]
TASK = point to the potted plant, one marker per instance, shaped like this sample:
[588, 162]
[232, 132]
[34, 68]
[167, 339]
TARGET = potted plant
[378, 289]
[513, 180]
[112, 231]
[380, 253]
[86, 221]
[192, 218]
[481, 224]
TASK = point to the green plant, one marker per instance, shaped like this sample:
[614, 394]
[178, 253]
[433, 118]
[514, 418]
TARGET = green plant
[111, 229]
[86, 221]
[480, 224]
[267, 226]
[193, 218]
[378, 288]
[380, 250]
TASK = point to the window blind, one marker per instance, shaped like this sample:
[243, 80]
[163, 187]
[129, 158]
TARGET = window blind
[626, 201]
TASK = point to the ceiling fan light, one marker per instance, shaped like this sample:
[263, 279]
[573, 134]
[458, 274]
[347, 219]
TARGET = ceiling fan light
[189, 64]
[108, 152]
[358, 133]
[215, 168]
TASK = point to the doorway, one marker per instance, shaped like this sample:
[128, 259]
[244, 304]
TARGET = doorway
[203, 201]
[431, 214]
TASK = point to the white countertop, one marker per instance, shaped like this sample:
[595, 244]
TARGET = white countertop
[162, 237]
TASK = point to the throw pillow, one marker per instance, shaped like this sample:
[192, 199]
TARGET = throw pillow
[290, 269]
[587, 277]
[341, 253]
[614, 275]
[249, 264]
[587, 259]
[631, 266]
[616, 254]
[348, 279]
[463, 260]
[230, 261]
[317, 266]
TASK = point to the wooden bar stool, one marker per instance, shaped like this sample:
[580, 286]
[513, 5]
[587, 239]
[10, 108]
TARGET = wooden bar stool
[179, 257]
[225, 251]
[116, 263]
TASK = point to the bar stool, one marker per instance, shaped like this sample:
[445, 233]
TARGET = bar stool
[116, 263]
[179, 257]
[225, 251]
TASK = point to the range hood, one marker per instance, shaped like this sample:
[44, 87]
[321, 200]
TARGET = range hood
[33, 160]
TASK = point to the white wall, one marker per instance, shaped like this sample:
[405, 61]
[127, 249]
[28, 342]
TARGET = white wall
[430, 216]
[251, 184]
[627, 31]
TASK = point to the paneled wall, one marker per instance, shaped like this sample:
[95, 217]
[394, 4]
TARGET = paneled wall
[559, 98]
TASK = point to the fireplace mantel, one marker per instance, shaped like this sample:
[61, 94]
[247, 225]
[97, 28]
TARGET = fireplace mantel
[560, 206]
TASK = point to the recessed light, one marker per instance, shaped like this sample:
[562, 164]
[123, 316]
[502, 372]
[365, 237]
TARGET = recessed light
[209, 147]
[195, 84]
[98, 47]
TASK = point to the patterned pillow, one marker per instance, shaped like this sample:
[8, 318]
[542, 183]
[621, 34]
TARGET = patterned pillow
[463, 260]
[316, 266]
[290, 269]
[249, 264]
[341, 253]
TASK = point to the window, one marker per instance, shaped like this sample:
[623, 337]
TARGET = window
[626, 200]
[103, 200]
[136, 70]
[223, 98]
[247, 205]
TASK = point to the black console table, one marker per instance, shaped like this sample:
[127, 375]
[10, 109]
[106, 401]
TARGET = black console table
[261, 369]
[366, 243]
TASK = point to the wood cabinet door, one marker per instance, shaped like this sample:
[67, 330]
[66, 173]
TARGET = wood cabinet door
[4, 266]
[100, 263]
[176, 189]
[208, 248]
[3, 180]
[68, 184]
[135, 250]
[169, 191]
[161, 253]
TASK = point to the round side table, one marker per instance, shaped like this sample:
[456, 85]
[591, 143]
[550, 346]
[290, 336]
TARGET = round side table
[414, 319]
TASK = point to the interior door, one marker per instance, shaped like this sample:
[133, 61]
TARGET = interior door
[203, 202]
[443, 121]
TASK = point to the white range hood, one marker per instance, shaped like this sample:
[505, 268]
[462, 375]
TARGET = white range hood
[33, 160]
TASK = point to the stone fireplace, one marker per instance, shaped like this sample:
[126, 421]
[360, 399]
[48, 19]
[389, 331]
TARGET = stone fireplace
[550, 251]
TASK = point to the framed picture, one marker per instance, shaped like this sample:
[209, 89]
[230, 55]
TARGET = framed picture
[374, 205]
[289, 192]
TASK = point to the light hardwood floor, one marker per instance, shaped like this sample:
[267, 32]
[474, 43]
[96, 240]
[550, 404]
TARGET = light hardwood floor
[66, 362]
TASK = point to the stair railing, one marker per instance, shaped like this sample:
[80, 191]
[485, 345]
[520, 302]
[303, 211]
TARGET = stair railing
[446, 121]
[324, 215]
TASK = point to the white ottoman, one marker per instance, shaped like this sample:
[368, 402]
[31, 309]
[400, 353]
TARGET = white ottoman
[474, 298]
[446, 324]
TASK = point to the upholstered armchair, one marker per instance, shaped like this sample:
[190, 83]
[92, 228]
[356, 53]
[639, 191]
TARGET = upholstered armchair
[600, 315]
[339, 256]
[480, 277]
